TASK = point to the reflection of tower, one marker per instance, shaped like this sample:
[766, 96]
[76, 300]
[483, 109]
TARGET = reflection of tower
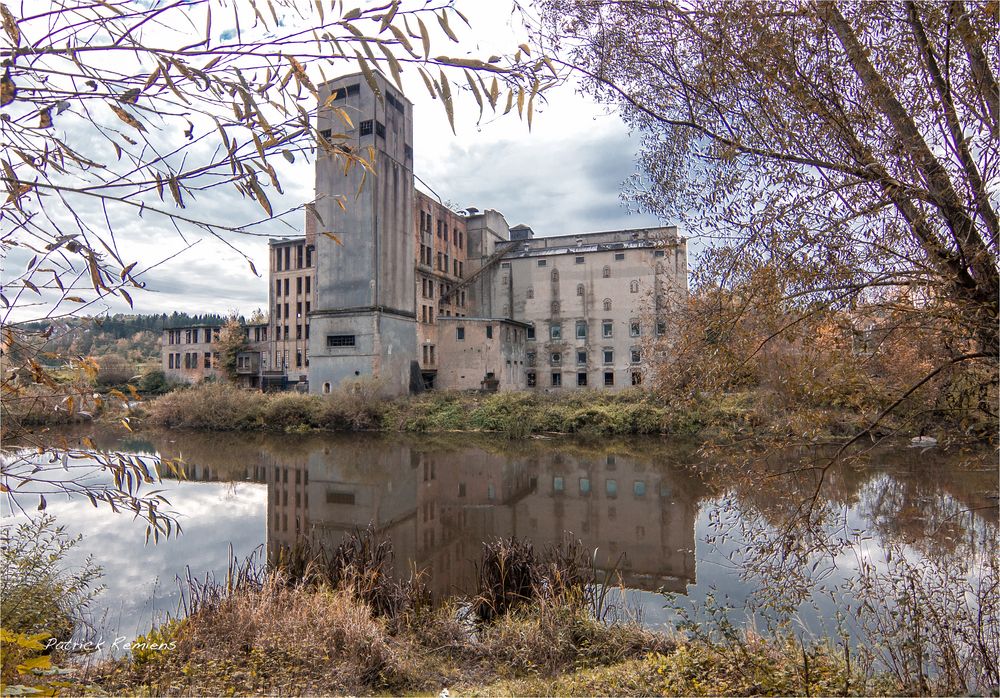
[287, 504]
[364, 320]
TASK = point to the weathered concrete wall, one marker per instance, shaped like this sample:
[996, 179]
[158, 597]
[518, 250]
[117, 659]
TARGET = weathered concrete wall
[466, 362]
[364, 277]
[605, 292]
[486, 231]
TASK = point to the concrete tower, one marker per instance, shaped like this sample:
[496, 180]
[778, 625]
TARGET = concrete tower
[363, 323]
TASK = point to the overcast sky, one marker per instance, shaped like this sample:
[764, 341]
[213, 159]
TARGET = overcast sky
[562, 177]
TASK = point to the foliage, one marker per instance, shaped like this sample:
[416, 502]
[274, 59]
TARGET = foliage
[836, 157]
[232, 340]
[38, 592]
[218, 406]
[123, 115]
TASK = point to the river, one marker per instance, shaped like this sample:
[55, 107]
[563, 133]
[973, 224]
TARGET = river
[673, 525]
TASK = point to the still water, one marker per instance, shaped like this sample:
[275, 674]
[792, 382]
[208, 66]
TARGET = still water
[665, 517]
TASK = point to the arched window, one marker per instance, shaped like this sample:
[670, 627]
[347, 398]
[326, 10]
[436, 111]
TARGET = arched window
[607, 304]
[555, 274]
[579, 289]
[634, 287]
[326, 388]
[530, 293]
[606, 272]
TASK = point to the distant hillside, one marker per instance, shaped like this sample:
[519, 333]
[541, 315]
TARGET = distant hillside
[135, 338]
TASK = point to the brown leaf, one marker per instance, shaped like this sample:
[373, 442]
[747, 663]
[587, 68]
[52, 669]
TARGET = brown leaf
[45, 118]
[8, 90]
[127, 118]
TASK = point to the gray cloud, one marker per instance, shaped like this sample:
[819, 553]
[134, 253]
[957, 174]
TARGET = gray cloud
[557, 186]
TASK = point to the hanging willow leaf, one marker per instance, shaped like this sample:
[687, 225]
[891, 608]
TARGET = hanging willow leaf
[425, 37]
[449, 107]
[369, 76]
[127, 118]
[333, 237]
[8, 90]
[443, 21]
[10, 25]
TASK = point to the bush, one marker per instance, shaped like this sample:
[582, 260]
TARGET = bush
[38, 593]
[292, 410]
[210, 405]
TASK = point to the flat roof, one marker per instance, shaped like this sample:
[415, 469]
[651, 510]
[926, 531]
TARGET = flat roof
[507, 320]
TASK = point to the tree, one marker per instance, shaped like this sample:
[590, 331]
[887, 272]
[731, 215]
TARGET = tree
[120, 112]
[232, 340]
[848, 150]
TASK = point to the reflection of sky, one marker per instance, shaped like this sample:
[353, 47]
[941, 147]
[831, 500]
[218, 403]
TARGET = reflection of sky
[141, 579]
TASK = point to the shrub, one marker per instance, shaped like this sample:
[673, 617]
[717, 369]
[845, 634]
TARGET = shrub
[210, 405]
[38, 593]
[291, 410]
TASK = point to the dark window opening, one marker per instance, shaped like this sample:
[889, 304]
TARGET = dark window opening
[340, 340]
[380, 129]
[365, 127]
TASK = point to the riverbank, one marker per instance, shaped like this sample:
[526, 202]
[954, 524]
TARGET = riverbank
[220, 407]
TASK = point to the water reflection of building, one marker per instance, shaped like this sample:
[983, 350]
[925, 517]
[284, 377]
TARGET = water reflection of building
[438, 506]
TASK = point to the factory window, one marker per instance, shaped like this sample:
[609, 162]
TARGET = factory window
[542, 263]
[531, 332]
[408, 151]
[619, 256]
[288, 262]
[579, 289]
[581, 356]
[298, 257]
[579, 260]
[636, 355]
[584, 485]
[633, 328]
[298, 284]
[606, 272]
[530, 358]
[555, 358]
[285, 293]
[555, 331]
[309, 261]
[340, 340]
[555, 275]
[661, 328]
[326, 388]
[446, 232]
[532, 381]
[609, 356]
[607, 328]
[298, 332]
[607, 304]
[298, 309]
[277, 287]
[611, 487]
[365, 127]
[170, 361]
[530, 293]
[581, 329]
[380, 129]
[460, 333]
[298, 359]
[636, 378]
[639, 488]
[609, 378]
[633, 287]
[207, 361]
[581, 379]
[658, 253]
[555, 307]
[558, 483]
[556, 379]
[489, 332]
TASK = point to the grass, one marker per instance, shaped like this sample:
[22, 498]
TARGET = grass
[223, 407]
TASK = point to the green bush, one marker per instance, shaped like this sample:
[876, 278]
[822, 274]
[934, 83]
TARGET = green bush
[292, 410]
[38, 593]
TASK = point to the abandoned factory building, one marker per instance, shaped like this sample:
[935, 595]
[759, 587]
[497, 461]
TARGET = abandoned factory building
[391, 284]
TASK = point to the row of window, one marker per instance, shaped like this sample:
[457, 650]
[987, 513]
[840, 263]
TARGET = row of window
[460, 334]
[283, 332]
[281, 358]
[287, 313]
[193, 335]
[607, 329]
[301, 282]
[582, 378]
[608, 355]
[610, 486]
[190, 360]
[283, 258]
[581, 290]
